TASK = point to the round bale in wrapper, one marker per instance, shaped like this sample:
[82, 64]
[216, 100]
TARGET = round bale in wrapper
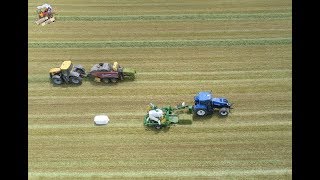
[106, 72]
[101, 119]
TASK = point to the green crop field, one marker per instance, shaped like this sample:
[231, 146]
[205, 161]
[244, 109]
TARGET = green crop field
[239, 49]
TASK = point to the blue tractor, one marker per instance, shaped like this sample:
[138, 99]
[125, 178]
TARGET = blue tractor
[205, 104]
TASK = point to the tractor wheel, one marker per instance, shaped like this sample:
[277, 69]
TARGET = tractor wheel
[201, 112]
[157, 126]
[114, 80]
[224, 111]
[106, 80]
[56, 80]
[75, 80]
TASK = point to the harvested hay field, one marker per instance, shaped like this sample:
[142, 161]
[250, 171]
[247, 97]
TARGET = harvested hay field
[239, 50]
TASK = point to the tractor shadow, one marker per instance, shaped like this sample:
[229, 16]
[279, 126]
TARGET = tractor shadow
[92, 82]
[157, 131]
[215, 115]
[65, 85]
[95, 83]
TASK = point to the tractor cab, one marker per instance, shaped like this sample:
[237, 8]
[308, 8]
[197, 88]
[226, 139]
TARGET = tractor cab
[54, 71]
[67, 73]
[203, 102]
[66, 67]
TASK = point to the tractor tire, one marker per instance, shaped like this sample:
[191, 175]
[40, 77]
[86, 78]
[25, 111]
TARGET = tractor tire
[75, 80]
[201, 112]
[106, 80]
[114, 80]
[57, 81]
[224, 111]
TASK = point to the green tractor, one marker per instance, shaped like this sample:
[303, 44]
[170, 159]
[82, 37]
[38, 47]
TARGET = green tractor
[67, 73]
[166, 116]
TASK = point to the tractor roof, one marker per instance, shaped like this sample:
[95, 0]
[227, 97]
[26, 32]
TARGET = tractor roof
[53, 70]
[65, 65]
[203, 96]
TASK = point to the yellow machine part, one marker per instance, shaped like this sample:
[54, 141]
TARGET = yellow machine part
[65, 65]
[115, 66]
[96, 79]
[54, 70]
[163, 120]
[41, 14]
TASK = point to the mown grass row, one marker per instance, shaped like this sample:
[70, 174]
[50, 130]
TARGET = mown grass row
[144, 58]
[72, 31]
[183, 78]
[259, 96]
[184, 17]
[168, 43]
[147, 7]
[97, 151]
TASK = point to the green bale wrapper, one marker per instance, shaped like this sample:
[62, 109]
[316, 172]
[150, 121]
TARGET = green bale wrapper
[185, 118]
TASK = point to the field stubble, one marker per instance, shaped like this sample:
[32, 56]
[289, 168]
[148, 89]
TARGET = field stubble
[253, 142]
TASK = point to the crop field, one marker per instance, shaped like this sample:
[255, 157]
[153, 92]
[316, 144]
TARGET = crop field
[239, 49]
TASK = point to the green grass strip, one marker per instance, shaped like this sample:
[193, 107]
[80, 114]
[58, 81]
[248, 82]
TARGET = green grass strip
[227, 16]
[162, 174]
[159, 43]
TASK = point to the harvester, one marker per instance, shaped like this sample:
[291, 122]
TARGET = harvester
[45, 14]
[106, 72]
[67, 73]
[166, 116]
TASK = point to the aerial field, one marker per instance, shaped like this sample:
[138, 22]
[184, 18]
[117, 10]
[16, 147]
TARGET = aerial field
[241, 50]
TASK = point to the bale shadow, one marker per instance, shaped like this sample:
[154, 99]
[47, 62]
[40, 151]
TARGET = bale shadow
[157, 131]
[99, 125]
[202, 118]
[128, 79]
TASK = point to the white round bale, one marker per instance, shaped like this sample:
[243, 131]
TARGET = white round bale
[101, 119]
